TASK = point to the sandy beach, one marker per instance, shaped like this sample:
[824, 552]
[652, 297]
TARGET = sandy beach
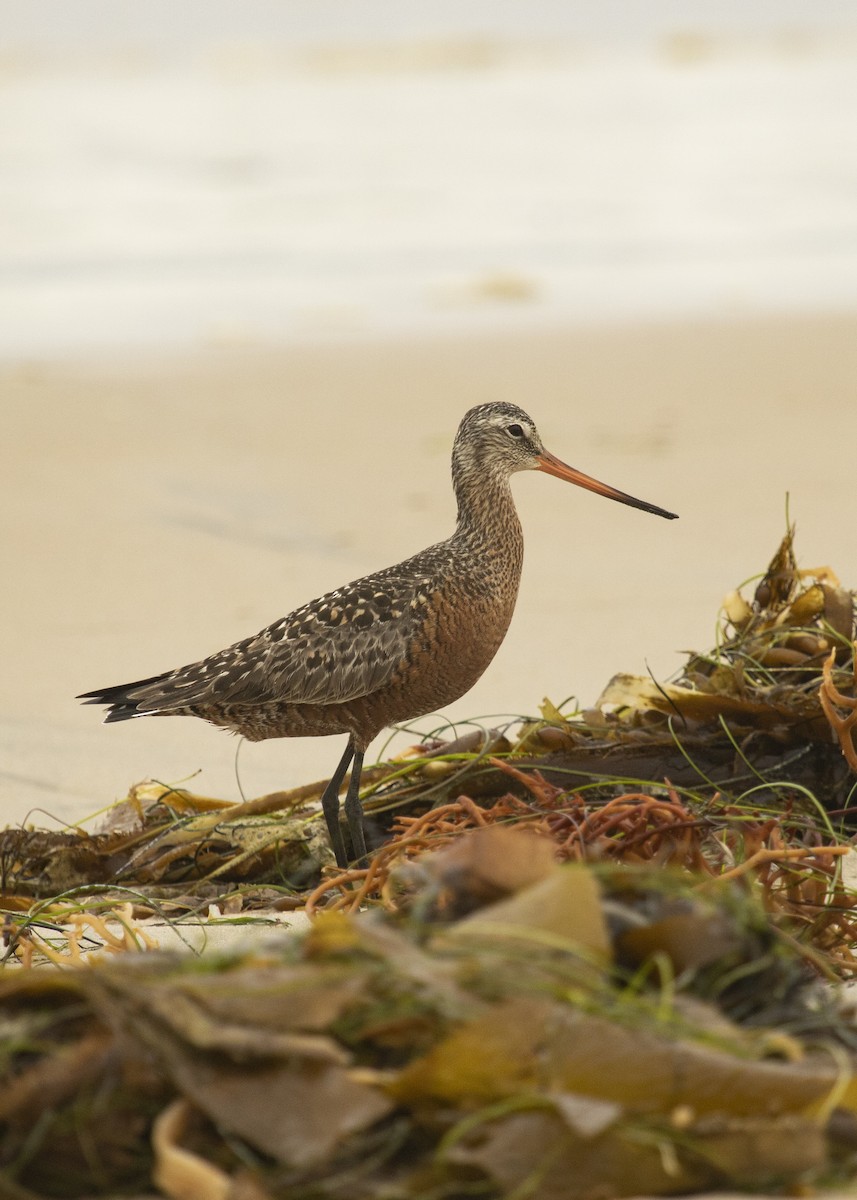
[156, 510]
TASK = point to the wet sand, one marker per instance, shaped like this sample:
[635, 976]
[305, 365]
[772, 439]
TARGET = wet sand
[154, 510]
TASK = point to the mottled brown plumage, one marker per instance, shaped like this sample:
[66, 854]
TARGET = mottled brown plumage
[386, 648]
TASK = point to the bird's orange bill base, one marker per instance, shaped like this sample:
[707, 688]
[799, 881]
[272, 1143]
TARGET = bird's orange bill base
[555, 466]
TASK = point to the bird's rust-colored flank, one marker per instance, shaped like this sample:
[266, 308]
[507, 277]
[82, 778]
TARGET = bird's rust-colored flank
[389, 647]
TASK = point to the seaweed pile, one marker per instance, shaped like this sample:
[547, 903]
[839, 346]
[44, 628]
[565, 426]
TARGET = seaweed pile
[517, 1027]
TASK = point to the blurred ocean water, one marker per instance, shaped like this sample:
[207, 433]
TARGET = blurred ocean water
[180, 174]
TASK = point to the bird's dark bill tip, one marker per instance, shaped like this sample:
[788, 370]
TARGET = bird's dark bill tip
[643, 505]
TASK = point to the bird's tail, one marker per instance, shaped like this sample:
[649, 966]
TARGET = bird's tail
[123, 699]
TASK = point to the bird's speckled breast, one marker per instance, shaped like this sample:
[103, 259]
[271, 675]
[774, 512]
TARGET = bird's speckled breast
[458, 640]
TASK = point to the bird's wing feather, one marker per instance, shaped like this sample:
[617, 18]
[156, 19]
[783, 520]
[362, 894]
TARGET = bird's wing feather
[345, 645]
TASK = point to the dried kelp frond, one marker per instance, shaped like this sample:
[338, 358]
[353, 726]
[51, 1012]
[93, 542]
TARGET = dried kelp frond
[763, 679]
[559, 1024]
[166, 840]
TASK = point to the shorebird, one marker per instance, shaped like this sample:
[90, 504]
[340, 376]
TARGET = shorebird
[386, 648]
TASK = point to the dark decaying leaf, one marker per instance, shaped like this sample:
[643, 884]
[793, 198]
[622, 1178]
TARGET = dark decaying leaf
[495, 862]
[288, 1095]
[542, 1154]
[298, 1112]
[530, 1044]
[564, 904]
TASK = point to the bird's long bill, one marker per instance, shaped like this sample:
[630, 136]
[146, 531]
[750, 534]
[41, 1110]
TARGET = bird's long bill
[554, 466]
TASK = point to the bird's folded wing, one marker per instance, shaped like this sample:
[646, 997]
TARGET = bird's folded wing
[343, 646]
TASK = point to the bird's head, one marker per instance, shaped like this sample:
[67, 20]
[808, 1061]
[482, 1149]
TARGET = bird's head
[501, 439]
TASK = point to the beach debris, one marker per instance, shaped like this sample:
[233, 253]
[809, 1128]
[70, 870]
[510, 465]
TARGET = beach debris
[592, 1028]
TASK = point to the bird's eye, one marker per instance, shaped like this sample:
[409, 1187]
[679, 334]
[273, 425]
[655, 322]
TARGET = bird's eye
[515, 430]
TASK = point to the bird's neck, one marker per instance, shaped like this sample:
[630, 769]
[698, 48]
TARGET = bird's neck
[487, 519]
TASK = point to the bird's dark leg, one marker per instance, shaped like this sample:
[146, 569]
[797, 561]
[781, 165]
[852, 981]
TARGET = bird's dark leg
[330, 805]
[354, 809]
